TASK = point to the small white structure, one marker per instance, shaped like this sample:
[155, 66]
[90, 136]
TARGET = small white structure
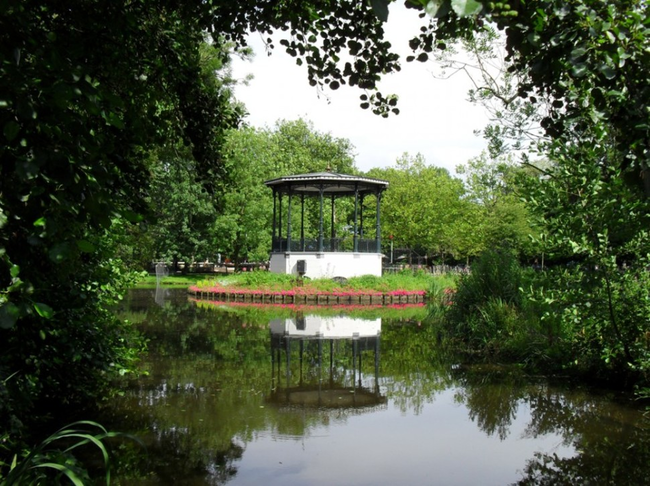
[345, 390]
[327, 265]
[332, 255]
[326, 327]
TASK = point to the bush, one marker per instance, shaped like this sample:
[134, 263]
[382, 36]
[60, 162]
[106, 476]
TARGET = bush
[494, 282]
[600, 313]
[54, 458]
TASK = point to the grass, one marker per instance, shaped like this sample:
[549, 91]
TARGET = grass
[172, 281]
[270, 282]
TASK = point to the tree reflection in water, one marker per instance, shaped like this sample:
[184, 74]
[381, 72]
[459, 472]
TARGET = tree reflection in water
[220, 381]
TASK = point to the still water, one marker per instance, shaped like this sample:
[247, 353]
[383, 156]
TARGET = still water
[244, 395]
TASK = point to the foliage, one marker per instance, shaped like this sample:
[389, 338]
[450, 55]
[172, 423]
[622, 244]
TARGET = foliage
[593, 216]
[260, 280]
[587, 59]
[424, 209]
[489, 316]
[487, 301]
[151, 281]
[439, 300]
[53, 459]
[503, 221]
[514, 121]
[88, 90]
[580, 69]
[184, 212]
[243, 227]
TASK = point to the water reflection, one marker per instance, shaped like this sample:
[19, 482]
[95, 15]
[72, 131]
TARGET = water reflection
[244, 395]
[320, 339]
[162, 293]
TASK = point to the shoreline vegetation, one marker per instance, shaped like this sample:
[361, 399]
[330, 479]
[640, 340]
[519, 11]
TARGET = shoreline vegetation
[260, 313]
[265, 286]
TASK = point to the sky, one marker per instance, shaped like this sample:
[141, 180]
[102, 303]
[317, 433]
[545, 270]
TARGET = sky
[435, 119]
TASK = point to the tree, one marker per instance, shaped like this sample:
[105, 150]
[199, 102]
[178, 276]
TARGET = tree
[243, 229]
[588, 213]
[586, 63]
[514, 121]
[184, 212]
[503, 217]
[423, 207]
[588, 59]
[89, 88]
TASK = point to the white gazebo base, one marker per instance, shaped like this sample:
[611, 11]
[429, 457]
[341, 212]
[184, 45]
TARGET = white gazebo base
[327, 265]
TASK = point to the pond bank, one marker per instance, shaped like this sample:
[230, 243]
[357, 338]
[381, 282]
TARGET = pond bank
[308, 296]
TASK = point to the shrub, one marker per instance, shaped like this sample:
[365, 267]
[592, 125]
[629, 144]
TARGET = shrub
[495, 277]
[54, 458]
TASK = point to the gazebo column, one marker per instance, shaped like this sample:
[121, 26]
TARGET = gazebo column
[378, 225]
[332, 230]
[280, 220]
[355, 237]
[361, 218]
[377, 365]
[273, 239]
[320, 220]
[302, 222]
[289, 224]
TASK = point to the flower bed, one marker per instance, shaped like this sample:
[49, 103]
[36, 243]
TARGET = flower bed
[306, 295]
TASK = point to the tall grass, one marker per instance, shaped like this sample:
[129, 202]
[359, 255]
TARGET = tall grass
[491, 316]
[407, 281]
[53, 459]
[486, 311]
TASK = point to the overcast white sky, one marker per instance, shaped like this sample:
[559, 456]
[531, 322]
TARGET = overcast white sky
[435, 117]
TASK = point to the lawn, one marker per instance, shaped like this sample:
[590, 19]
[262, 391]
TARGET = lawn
[271, 282]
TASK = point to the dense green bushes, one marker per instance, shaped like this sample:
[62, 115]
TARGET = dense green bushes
[585, 320]
[262, 280]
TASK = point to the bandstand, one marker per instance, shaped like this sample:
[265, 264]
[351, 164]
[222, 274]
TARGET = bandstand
[323, 344]
[321, 255]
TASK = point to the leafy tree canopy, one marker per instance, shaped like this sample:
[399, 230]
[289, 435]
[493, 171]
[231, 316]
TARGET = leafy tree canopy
[423, 205]
[243, 229]
[89, 87]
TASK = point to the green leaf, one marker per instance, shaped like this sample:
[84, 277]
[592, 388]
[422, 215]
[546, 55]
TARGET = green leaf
[40, 222]
[431, 8]
[14, 271]
[86, 246]
[380, 7]
[9, 313]
[132, 216]
[466, 8]
[578, 53]
[59, 252]
[579, 70]
[11, 129]
[608, 71]
[72, 476]
[43, 310]
[114, 120]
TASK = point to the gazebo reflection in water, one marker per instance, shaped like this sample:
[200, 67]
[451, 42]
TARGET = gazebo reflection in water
[323, 365]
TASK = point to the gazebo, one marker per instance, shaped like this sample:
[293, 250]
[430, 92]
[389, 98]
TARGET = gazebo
[325, 256]
[320, 338]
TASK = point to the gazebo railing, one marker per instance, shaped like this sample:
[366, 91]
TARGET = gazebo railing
[364, 245]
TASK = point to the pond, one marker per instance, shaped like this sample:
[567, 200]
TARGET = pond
[245, 394]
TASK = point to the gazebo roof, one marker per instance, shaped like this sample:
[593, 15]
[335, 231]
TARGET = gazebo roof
[331, 183]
